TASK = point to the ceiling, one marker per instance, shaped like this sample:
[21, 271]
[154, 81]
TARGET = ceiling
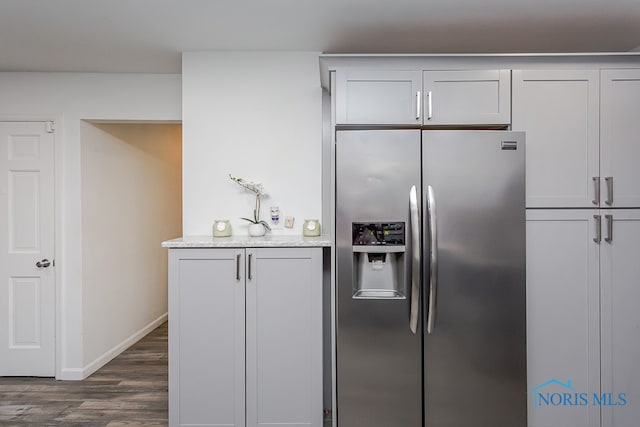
[149, 35]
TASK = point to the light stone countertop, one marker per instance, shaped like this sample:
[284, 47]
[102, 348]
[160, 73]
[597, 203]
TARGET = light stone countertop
[267, 241]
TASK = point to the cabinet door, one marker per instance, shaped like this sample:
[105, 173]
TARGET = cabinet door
[620, 318]
[206, 337]
[472, 97]
[378, 97]
[559, 111]
[284, 337]
[563, 342]
[620, 137]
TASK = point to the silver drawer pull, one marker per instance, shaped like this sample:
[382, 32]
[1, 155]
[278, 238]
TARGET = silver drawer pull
[598, 237]
[609, 237]
[609, 181]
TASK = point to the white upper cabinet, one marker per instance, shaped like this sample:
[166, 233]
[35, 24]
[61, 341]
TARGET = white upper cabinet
[620, 138]
[366, 97]
[559, 111]
[469, 97]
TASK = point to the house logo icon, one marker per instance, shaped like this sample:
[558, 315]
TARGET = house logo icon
[537, 389]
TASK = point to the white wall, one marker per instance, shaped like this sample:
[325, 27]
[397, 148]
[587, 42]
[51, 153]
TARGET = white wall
[131, 201]
[256, 115]
[68, 98]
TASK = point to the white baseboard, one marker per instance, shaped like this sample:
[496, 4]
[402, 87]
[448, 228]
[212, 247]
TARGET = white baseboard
[115, 351]
[71, 374]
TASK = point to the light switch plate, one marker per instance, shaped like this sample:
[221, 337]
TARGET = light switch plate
[288, 221]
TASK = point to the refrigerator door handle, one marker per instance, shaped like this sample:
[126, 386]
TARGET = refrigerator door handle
[433, 259]
[415, 260]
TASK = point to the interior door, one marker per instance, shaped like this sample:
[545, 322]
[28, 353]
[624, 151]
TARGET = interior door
[27, 289]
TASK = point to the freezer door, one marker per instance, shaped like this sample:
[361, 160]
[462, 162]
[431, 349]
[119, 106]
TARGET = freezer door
[475, 352]
[379, 358]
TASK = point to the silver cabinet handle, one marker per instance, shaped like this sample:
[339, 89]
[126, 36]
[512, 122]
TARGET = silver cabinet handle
[238, 267]
[598, 237]
[433, 259]
[609, 237]
[249, 266]
[609, 181]
[415, 260]
[430, 106]
[596, 183]
[418, 105]
[43, 264]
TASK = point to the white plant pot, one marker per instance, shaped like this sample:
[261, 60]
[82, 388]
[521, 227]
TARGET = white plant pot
[257, 230]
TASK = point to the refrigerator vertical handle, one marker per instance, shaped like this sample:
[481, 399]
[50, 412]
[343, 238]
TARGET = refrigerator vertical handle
[415, 260]
[609, 181]
[433, 259]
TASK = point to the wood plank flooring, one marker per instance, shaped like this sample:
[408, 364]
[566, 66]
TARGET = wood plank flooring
[131, 390]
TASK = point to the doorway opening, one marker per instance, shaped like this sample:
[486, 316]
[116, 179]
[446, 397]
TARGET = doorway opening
[131, 201]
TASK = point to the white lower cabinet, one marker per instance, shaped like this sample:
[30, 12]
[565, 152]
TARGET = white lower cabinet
[563, 324]
[245, 337]
[620, 312]
[583, 321]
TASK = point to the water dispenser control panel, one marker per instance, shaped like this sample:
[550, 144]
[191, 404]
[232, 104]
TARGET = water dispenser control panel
[378, 260]
[377, 233]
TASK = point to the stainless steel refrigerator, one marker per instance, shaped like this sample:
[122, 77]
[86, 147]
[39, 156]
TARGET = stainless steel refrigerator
[430, 246]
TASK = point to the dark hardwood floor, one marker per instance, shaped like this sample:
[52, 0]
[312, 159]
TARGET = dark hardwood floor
[131, 390]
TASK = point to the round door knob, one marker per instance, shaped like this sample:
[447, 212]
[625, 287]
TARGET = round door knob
[44, 263]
